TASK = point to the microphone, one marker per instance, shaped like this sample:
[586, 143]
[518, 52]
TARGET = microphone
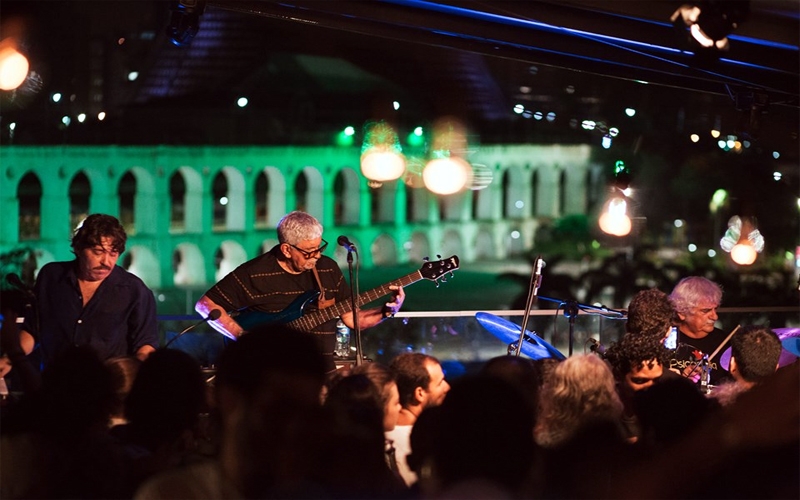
[346, 243]
[597, 347]
[537, 273]
[213, 315]
[15, 281]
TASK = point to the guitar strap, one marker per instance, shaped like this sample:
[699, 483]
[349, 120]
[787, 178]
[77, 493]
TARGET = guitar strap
[322, 302]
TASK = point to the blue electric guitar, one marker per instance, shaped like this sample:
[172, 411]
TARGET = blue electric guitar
[295, 314]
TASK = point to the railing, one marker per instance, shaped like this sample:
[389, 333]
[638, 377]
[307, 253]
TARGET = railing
[458, 339]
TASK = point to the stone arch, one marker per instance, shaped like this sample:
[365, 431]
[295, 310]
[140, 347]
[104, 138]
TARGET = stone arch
[482, 203]
[231, 254]
[346, 198]
[188, 265]
[452, 244]
[146, 203]
[384, 251]
[383, 202]
[312, 196]
[418, 246]
[80, 195]
[484, 245]
[29, 209]
[235, 209]
[186, 208]
[513, 193]
[145, 265]
[270, 204]
[514, 242]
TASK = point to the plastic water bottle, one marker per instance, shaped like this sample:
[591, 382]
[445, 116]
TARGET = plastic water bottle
[342, 349]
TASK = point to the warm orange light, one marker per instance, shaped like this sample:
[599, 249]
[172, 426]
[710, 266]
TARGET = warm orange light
[615, 220]
[446, 175]
[382, 164]
[743, 254]
[13, 67]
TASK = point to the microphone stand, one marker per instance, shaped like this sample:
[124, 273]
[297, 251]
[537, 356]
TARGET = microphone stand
[212, 316]
[354, 306]
[536, 281]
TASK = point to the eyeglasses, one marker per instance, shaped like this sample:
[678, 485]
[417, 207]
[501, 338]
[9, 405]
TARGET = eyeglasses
[307, 254]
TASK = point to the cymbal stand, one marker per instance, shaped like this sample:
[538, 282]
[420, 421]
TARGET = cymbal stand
[572, 308]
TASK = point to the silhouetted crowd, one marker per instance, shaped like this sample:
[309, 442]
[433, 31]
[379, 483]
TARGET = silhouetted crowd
[270, 423]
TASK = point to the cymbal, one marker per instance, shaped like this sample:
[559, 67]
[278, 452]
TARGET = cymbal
[790, 340]
[534, 346]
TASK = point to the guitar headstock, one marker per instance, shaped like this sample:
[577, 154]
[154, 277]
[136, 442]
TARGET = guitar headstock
[436, 271]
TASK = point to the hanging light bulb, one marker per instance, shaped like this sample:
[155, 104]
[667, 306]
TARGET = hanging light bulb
[447, 171]
[615, 220]
[743, 240]
[382, 157]
[14, 65]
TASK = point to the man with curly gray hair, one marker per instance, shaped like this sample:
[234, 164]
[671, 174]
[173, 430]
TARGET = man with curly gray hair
[696, 300]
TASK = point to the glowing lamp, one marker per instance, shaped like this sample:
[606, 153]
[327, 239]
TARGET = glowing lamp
[446, 175]
[743, 240]
[382, 165]
[743, 254]
[615, 220]
[13, 67]
[382, 159]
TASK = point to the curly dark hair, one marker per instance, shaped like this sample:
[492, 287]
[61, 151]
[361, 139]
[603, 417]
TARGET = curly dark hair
[632, 351]
[94, 228]
[651, 312]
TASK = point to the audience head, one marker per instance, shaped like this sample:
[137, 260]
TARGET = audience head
[268, 389]
[273, 362]
[518, 371]
[696, 300]
[637, 361]
[123, 372]
[77, 392]
[420, 380]
[755, 351]
[484, 433]
[385, 382]
[651, 312]
[166, 398]
[669, 409]
[578, 392]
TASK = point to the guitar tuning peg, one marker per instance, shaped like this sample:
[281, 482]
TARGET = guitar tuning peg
[443, 279]
[437, 284]
[426, 259]
[438, 256]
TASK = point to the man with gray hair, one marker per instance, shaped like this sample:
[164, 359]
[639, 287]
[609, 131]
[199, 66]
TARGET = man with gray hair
[278, 287]
[696, 301]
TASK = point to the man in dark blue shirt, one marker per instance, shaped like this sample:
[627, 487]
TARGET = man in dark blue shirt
[91, 301]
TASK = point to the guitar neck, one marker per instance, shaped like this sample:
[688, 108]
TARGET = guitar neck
[315, 318]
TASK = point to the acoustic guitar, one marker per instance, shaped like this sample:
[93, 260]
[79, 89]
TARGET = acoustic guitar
[296, 316]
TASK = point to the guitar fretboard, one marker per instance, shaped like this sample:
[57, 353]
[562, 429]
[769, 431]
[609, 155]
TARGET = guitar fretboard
[312, 319]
